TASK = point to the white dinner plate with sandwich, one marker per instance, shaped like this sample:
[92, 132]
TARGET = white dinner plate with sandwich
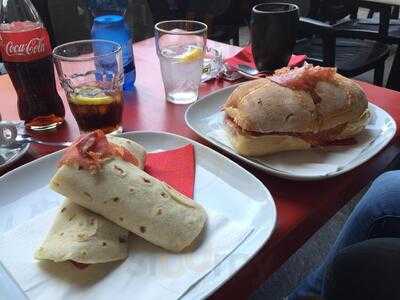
[41, 231]
[294, 125]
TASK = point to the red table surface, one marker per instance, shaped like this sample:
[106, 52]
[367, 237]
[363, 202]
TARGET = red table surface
[303, 207]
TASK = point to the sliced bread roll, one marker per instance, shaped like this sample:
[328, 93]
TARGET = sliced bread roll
[294, 110]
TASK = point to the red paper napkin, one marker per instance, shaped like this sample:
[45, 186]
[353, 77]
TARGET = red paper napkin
[175, 167]
[245, 57]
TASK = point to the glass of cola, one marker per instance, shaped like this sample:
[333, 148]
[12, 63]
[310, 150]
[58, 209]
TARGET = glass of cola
[91, 73]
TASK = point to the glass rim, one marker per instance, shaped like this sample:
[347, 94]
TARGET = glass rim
[77, 59]
[157, 27]
[291, 7]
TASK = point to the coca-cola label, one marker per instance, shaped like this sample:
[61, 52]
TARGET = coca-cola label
[24, 46]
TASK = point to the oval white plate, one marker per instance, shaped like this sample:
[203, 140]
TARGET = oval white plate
[204, 118]
[249, 201]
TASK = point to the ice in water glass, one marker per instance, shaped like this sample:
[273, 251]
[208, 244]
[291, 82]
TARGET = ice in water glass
[180, 47]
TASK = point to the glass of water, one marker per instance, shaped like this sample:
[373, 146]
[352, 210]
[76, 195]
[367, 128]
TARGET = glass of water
[180, 47]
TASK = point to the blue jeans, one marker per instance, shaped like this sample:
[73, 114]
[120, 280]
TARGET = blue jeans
[377, 215]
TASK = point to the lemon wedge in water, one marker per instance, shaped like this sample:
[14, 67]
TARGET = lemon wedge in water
[193, 54]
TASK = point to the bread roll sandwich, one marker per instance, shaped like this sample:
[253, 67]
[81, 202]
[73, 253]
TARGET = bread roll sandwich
[82, 236]
[293, 110]
[106, 180]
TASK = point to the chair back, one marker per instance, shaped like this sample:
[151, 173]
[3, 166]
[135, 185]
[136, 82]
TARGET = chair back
[332, 10]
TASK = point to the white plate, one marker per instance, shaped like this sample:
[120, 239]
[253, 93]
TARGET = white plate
[206, 119]
[249, 202]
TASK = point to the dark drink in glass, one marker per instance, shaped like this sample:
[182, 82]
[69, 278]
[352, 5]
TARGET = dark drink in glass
[273, 34]
[91, 73]
[95, 107]
[26, 52]
[39, 104]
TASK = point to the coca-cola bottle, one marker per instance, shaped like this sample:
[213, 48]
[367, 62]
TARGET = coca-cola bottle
[26, 52]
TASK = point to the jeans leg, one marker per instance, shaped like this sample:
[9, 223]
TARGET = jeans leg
[366, 270]
[381, 200]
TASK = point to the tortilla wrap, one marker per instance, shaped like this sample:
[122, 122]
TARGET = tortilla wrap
[78, 234]
[136, 149]
[133, 199]
[83, 236]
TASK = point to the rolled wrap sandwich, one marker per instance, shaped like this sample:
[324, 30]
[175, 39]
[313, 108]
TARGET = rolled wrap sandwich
[82, 236]
[96, 175]
[294, 109]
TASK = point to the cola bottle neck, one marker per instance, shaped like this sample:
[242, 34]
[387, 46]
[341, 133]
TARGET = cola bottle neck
[18, 11]
[20, 26]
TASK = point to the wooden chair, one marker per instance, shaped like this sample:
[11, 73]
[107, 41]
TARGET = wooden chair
[326, 44]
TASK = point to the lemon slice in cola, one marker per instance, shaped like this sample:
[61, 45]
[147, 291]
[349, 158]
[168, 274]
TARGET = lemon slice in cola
[90, 95]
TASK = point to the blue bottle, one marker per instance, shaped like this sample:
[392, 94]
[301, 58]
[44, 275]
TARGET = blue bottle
[109, 24]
